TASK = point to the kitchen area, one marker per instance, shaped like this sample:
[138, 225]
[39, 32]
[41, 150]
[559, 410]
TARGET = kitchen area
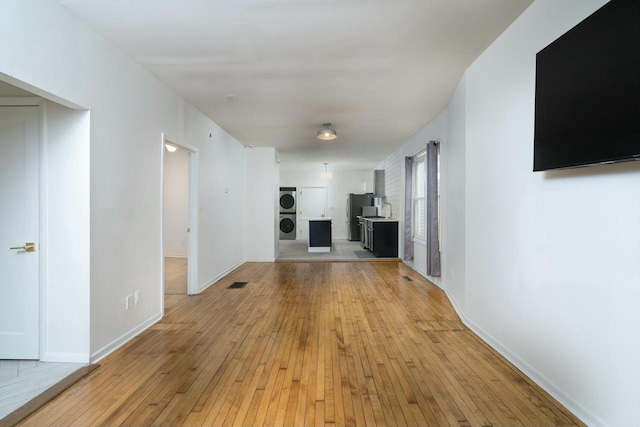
[313, 226]
[376, 233]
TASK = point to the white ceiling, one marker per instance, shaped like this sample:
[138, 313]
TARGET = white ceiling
[270, 72]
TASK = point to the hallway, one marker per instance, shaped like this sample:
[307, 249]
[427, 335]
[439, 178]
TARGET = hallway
[308, 344]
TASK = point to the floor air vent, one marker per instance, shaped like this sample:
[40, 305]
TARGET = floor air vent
[237, 285]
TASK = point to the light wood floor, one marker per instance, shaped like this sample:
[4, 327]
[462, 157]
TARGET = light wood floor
[333, 344]
[175, 276]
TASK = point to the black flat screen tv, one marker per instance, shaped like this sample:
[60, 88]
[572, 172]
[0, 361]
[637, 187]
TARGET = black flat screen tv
[587, 105]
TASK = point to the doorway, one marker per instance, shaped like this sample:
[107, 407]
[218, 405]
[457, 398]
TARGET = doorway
[179, 221]
[45, 183]
[45, 209]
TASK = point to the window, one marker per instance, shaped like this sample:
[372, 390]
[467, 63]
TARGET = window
[419, 201]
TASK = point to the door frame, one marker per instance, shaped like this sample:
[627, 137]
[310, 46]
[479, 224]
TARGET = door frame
[192, 245]
[34, 101]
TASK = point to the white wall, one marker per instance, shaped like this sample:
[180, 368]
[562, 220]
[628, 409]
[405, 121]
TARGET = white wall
[50, 52]
[393, 167]
[67, 254]
[262, 232]
[221, 197]
[176, 204]
[551, 258]
[338, 189]
[453, 194]
[544, 266]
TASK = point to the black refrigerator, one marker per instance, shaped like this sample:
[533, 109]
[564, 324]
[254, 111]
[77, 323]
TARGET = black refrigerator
[355, 202]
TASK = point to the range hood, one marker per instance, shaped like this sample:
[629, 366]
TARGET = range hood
[378, 183]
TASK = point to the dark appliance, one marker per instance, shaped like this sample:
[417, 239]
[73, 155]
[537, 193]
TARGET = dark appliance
[379, 183]
[587, 96]
[362, 232]
[355, 202]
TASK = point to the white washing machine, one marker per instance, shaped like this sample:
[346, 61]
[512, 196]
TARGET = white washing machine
[287, 206]
[287, 226]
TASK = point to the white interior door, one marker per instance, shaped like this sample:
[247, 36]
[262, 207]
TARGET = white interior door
[312, 203]
[19, 221]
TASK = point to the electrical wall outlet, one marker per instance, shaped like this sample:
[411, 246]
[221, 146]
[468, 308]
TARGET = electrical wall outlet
[128, 302]
[136, 297]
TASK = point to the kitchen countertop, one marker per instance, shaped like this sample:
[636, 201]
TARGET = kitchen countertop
[318, 218]
[381, 219]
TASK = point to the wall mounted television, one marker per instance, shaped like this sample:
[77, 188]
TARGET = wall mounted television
[587, 105]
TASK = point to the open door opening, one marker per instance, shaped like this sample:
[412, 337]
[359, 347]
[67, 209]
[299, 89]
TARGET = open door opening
[45, 209]
[176, 220]
[179, 225]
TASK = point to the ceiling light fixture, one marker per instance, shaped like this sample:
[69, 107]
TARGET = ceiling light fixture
[170, 148]
[326, 175]
[327, 134]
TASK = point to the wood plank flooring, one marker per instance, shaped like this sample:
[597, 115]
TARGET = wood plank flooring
[317, 344]
[175, 276]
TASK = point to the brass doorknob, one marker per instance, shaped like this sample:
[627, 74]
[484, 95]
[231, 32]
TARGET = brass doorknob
[28, 247]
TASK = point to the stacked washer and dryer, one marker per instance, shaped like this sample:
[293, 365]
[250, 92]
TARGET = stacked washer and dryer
[287, 213]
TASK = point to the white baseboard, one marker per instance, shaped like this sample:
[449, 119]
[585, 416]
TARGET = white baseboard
[578, 410]
[119, 342]
[176, 256]
[260, 260]
[219, 276]
[66, 357]
[416, 269]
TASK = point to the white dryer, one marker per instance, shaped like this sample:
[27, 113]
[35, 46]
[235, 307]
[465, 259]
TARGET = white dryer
[287, 206]
[287, 226]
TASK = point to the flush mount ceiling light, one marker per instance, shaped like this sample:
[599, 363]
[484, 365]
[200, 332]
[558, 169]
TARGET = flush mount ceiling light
[326, 175]
[170, 148]
[327, 134]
